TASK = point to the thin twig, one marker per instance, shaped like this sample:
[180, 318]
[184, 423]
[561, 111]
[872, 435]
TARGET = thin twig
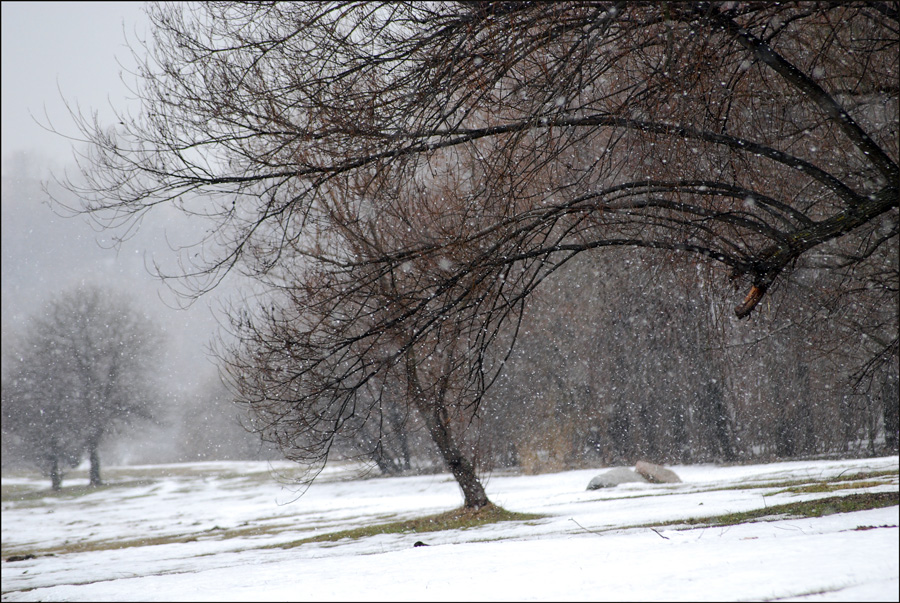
[584, 528]
[660, 535]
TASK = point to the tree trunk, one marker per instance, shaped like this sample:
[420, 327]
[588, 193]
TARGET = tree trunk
[400, 430]
[462, 469]
[95, 466]
[438, 423]
[55, 475]
[724, 432]
[385, 464]
[890, 414]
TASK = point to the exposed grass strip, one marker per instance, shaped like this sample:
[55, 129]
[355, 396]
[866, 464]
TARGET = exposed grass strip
[826, 487]
[809, 508]
[214, 533]
[457, 519]
[795, 486]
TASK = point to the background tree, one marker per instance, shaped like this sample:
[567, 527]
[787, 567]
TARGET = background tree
[395, 175]
[38, 424]
[85, 365]
[210, 427]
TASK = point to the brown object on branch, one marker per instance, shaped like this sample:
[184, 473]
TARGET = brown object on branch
[753, 297]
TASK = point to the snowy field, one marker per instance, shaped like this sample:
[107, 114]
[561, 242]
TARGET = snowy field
[212, 532]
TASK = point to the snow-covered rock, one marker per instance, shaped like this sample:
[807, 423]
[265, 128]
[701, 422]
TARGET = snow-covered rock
[614, 477]
[656, 474]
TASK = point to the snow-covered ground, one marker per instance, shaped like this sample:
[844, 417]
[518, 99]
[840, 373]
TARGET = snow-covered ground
[198, 532]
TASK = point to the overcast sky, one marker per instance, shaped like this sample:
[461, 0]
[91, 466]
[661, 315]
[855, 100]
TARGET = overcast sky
[74, 51]
[53, 50]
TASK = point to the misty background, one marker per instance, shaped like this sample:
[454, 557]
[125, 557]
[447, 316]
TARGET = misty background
[59, 57]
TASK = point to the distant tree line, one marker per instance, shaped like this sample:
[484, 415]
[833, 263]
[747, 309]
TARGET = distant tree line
[637, 360]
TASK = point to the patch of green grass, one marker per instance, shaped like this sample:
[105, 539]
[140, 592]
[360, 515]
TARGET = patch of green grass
[214, 533]
[864, 528]
[243, 531]
[94, 545]
[457, 519]
[853, 477]
[808, 508]
[832, 487]
[17, 493]
[868, 475]
[111, 545]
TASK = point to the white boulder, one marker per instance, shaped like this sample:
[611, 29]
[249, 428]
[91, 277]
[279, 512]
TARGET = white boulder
[614, 477]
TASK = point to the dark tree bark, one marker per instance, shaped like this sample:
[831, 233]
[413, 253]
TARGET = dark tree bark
[55, 475]
[434, 412]
[94, 455]
[890, 404]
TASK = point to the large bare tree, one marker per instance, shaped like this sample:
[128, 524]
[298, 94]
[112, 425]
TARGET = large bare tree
[401, 176]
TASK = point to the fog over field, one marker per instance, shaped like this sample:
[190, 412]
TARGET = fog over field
[74, 53]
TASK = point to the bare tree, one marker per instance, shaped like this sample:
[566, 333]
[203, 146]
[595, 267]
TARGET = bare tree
[210, 427]
[401, 176]
[85, 366]
[37, 424]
